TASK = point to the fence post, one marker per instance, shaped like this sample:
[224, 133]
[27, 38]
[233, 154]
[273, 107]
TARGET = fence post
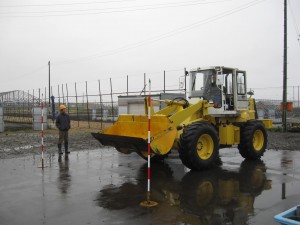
[101, 110]
[23, 103]
[28, 105]
[127, 85]
[144, 83]
[112, 103]
[63, 93]
[18, 105]
[164, 81]
[1, 117]
[32, 106]
[39, 96]
[45, 100]
[58, 95]
[87, 104]
[76, 105]
[45, 104]
[67, 102]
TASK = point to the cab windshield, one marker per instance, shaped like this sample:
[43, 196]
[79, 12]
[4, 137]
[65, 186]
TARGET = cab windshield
[204, 86]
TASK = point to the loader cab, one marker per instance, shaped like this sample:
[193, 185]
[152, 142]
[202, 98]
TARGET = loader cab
[224, 87]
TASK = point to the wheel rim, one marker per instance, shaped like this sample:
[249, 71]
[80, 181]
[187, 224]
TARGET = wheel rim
[205, 146]
[258, 140]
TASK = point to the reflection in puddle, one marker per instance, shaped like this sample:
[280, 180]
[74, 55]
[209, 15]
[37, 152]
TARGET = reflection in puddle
[64, 177]
[286, 160]
[215, 196]
[286, 163]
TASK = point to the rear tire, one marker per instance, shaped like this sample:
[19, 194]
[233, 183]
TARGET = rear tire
[254, 140]
[199, 146]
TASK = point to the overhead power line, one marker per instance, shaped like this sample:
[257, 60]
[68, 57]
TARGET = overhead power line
[77, 12]
[295, 22]
[167, 34]
[156, 38]
[64, 4]
[26, 74]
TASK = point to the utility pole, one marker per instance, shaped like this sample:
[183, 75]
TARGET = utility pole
[284, 97]
[49, 84]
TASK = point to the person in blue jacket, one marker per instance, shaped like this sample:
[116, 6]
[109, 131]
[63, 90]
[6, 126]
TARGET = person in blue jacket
[63, 123]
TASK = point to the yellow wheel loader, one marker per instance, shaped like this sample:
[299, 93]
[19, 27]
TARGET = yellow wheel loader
[217, 114]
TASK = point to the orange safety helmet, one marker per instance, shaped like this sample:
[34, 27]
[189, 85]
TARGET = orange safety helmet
[61, 107]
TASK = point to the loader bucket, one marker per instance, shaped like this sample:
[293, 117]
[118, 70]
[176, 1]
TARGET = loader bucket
[130, 134]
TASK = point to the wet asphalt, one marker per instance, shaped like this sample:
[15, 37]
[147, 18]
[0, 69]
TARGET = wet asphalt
[104, 187]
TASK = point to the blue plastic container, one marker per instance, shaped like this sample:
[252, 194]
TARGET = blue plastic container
[289, 217]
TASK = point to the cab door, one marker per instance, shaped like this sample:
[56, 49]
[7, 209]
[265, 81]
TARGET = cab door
[241, 91]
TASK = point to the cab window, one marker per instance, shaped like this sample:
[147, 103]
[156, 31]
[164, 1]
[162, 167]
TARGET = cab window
[241, 84]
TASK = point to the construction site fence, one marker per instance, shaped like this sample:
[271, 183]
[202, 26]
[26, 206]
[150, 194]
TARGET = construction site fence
[98, 115]
[96, 102]
[87, 102]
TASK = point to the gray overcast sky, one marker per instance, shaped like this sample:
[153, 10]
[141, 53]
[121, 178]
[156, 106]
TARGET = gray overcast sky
[97, 39]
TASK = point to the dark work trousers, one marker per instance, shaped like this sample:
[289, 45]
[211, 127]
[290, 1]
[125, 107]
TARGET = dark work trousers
[63, 137]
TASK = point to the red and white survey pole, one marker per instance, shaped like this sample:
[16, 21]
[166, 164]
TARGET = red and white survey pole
[148, 202]
[149, 140]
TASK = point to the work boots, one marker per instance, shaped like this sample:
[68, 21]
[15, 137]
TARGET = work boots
[59, 149]
[66, 147]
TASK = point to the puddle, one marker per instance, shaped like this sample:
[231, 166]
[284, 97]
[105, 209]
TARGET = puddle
[104, 187]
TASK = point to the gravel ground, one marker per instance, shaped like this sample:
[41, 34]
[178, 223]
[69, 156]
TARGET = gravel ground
[283, 141]
[18, 143]
[28, 142]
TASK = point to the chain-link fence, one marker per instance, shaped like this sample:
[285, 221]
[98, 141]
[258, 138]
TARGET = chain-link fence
[272, 109]
[95, 104]
[17, 108]
[89, 104]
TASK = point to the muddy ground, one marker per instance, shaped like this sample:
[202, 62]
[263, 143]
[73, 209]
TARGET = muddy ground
[25, 142]
[29, 142]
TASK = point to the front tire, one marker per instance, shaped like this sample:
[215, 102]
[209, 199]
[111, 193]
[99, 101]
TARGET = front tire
[254, 140]
[198, 146]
